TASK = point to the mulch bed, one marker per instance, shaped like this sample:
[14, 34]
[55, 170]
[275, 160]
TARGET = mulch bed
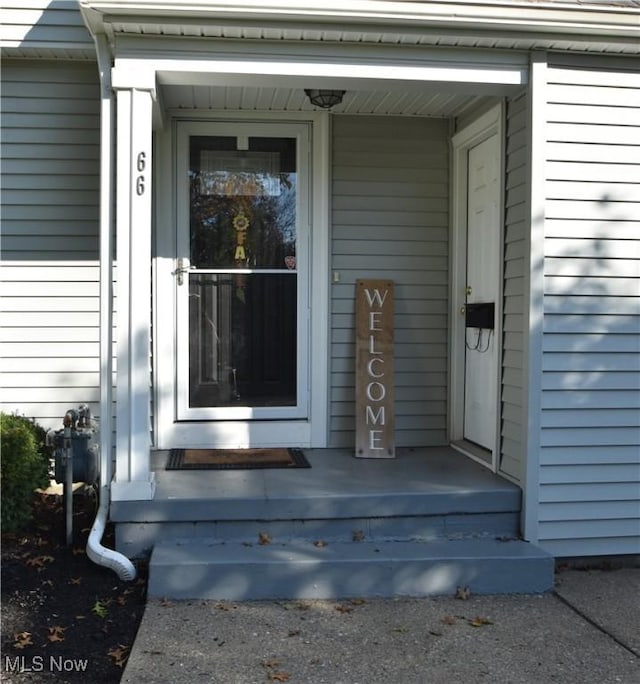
[64, 618]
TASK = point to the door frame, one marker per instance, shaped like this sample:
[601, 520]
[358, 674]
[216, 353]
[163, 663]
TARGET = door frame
[488, 124]
[311, 431]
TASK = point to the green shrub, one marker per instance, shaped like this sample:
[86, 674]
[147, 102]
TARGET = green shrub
[24, 462]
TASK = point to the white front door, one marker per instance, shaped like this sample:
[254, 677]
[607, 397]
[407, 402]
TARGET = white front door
[241, 280]
[482, 293]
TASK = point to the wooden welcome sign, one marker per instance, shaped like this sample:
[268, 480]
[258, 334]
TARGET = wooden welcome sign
[374, 369]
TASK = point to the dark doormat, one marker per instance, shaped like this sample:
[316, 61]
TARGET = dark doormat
[235, 459]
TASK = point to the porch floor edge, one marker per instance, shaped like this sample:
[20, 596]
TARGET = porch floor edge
[420, 481]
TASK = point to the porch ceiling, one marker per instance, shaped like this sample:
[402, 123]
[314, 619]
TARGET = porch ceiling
[427, 103]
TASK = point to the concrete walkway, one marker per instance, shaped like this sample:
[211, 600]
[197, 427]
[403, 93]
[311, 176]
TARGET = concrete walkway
[586, 632]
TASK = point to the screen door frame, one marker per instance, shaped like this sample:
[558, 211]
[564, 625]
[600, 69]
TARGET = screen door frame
[184, 131]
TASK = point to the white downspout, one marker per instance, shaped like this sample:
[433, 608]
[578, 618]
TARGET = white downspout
[98, 553]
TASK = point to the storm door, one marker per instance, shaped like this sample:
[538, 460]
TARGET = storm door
[241, 271]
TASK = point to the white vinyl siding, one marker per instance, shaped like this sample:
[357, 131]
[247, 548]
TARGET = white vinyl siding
[390, 203]
[49, 329]
[516, 225]
[40, 27]
[590, 404]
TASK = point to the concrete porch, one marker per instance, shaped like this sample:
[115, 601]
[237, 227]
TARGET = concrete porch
[422, 524]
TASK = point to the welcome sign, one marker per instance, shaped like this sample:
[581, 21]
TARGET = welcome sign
[374, 369]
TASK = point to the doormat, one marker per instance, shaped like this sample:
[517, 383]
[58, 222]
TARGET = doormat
[235, 459]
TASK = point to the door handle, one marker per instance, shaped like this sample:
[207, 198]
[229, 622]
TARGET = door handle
[183, 267]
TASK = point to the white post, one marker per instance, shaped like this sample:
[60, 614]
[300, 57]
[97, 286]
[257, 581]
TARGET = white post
[133, 478]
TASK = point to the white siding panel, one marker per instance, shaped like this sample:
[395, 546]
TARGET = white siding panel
[50, 165]
[390, 219]
[511, 445]
[589, 285]
[43, 24]
[587, 94]
[584, 304]
[591, 454]
[592, 268]
[603, 546]
[611, 172]
[587, 398]
[609, 472]
[621, 154]
[627, 527]
[597, 134]
[49, 307]
[609, 230]
[590, 438]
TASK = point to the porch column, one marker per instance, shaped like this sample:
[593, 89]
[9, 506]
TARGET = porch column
[133, 478]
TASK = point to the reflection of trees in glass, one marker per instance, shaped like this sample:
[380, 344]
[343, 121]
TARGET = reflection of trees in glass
[271, 234]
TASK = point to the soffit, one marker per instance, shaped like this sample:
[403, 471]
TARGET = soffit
[376, 102]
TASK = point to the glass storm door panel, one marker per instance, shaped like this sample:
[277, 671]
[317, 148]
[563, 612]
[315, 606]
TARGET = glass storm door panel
[241, 290]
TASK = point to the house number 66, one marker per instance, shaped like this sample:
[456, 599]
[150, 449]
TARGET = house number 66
[140, 165]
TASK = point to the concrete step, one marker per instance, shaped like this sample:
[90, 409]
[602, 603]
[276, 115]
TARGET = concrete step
[206, 569]
[134, 538]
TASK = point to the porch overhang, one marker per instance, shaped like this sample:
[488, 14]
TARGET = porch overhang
[396, 58]
[400, 82]
[520, 24]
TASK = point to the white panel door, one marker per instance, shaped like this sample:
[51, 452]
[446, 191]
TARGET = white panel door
[482, 291]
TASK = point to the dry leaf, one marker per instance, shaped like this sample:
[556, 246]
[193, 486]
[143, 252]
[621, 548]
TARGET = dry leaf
[39, 561]
[279, 676]
[56, 633]
[269, 664]
[119, 655]
[78, 551]
[264, 538]
[480, 622]
[76, 580]
[121, 600]
[22, 640]
[165, 603]
[358, 535]
[344, 609]
[357, 601]
[320, 543]
[448, 620]
[463, 593]
[100, 609]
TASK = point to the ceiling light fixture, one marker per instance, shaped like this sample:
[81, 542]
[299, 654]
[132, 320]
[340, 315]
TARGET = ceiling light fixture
[325, 98]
